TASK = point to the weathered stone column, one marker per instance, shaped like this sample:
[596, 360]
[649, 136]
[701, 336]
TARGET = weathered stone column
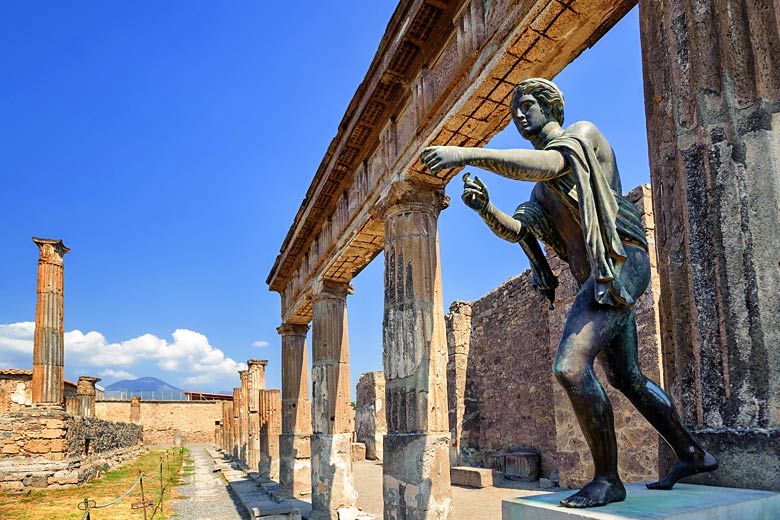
[244, 415]
[370, 417]
[135, 410]
[227, 426]
[49, 341]
[236, 451]
[458, 325]
[85, 390]
[712, 99]
[255, 383]
[270, 404]
[332, 419]
[416, 448]
[294, 443]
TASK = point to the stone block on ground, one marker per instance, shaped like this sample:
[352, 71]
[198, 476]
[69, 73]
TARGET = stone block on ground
[358, 451]
[471, 477]
[522, 465]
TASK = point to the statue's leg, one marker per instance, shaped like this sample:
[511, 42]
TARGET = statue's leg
[589, 329]
[619, 360]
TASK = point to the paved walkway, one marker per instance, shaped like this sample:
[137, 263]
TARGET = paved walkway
[207, 493]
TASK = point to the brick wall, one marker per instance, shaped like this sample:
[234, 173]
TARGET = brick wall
[162, 419]
[510, 398]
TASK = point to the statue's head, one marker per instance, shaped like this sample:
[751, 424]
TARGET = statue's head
[548, 97]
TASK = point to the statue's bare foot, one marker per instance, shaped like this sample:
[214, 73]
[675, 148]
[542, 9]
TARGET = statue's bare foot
[682, 469]
[598, 492]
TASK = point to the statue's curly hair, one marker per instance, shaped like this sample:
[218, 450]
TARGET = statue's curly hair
[546, 93]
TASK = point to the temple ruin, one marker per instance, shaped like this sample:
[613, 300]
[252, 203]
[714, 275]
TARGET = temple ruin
[444, 74]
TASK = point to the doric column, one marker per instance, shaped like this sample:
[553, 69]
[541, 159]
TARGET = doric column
[49, 342]
[135, 410]
[712, 99]
[332, 419]
[255, 383]
[227, 426]
[416, 449]
[236, 450]
[244, 415]
[294, 443]
[270, 416]
[85, 391]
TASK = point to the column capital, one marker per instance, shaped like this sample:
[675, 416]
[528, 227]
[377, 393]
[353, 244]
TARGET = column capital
[410, 195]
[51, 251]
[256, 362]
[293, 329]
[86, 385]
[323, 289]
[243, 374]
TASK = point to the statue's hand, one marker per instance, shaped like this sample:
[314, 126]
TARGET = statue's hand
[475, 193]
[437, 158]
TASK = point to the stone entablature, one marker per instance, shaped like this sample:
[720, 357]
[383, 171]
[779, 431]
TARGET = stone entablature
[443, 74]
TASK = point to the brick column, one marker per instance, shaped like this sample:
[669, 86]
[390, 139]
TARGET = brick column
[244, 415]
[416, 448]
[236, 450]
[332, 419]
[270, 417]
[227, 426]
[294, 443]
[135, 410]
[712, 99]
[255, 383]
[85, 391]
[49, 342]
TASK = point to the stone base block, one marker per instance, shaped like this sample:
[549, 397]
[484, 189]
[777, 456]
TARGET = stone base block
[522, 465]
[358, 451]
[471, 477]
[416, 476]
[684, 502]
[294, 465]
[331, 475]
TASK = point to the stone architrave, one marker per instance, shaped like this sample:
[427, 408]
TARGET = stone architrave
[255, 383]
[712, 99]
[236, 449]
[370, 420]
[85, 392]
[135, 410]
[270, 422]
[416, 447]
[332, 417]
[244, 416]
[294, 443]
[49, 342]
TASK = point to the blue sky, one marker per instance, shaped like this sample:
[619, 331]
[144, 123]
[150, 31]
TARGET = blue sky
[169, 144]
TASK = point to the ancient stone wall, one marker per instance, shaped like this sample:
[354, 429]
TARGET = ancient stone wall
[196, 420]
[511, 399]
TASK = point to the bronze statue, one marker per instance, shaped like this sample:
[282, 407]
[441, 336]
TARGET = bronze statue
[577, 209]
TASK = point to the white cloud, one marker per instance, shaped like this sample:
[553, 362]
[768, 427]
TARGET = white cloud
[260, 344]
[190, 355]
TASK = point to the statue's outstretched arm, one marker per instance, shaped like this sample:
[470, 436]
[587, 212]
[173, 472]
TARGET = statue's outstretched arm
[520, 164]
[475, 195]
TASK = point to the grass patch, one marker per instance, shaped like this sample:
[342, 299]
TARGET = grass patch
[63, 503]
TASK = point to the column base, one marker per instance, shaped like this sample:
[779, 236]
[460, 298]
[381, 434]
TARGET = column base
[294, 464]
[416, 476]
[333, 487]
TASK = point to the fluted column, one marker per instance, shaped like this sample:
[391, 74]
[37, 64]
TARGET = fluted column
[332, 416]
[270, 420]
[255, 383]
[416, 448]
[244, 415]
[294, 443]
[712, 99]
[236, 450]
[49, 342]
[85, 391]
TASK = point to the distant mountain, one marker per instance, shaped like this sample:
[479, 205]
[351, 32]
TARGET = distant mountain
[147, 388]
